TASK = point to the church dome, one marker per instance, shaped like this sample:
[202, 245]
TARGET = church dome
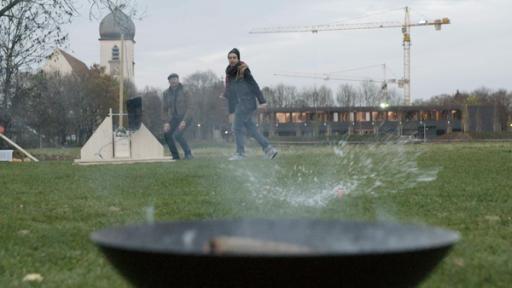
[115, 24]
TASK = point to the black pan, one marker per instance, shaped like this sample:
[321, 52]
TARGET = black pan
[274, 253]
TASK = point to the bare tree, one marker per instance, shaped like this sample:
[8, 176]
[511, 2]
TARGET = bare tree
[28, 31]
[325, 98]
[128, 6]
[152, 109]
[369, 94]
[346, 95]
[8, 8]
[270, 96]
[210, 112]
[309, 96]
[280, 96]
[66, 107]
[317, 97]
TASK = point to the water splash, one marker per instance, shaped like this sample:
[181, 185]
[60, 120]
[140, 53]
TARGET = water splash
[321, 177]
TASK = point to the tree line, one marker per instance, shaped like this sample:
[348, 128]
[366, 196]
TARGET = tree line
[55, 110]
[367, 93]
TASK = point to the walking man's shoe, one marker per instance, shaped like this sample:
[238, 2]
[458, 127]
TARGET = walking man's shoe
[237, 157]
[270, 152]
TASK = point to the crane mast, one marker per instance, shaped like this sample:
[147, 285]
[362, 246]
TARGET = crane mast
[406, 30]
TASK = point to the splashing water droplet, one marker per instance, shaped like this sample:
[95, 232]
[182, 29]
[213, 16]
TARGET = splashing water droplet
[355, 169]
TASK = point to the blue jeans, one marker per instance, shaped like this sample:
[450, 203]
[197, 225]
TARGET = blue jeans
[244, 121]
[175, 133]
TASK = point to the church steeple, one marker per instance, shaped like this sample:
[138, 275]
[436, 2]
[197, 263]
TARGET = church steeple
[114, 26]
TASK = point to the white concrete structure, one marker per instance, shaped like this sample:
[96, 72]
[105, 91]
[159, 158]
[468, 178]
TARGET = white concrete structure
[112, 28]
[135, 147]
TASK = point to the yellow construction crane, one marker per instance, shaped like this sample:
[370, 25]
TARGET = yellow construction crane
[328, 77]
[383, 88]
[333, 76]
[406, 31]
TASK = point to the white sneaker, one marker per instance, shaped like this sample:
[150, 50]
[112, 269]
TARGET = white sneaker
[237, 157]
[270, 152]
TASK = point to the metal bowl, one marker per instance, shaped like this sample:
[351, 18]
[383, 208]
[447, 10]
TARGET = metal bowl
[325, 253]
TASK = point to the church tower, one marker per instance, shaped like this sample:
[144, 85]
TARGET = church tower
[112, 28]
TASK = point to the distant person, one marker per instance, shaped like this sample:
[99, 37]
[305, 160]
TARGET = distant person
[241, 93]
[177, 114]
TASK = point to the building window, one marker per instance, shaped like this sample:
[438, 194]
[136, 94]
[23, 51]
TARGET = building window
[378, 116]
[335, 117]
[115, 53]
[429, 115]
[298, 117]
[392, 116]
[321, 116]
[362, 116]
[345, 116]
[283, 117]
[411, 116]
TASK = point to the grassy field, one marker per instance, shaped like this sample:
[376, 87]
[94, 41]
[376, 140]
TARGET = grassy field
[48, 209]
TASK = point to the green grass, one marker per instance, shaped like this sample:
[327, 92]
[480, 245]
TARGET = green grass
[48, 209]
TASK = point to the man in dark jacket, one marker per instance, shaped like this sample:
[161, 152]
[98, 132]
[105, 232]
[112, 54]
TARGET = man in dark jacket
[177, 114]
[242, 92]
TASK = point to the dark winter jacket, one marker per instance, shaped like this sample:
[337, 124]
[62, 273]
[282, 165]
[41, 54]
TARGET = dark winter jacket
[241, 89]
[177, 104]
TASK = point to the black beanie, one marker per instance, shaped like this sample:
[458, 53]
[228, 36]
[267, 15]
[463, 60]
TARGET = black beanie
[173, 75]
[235, 51]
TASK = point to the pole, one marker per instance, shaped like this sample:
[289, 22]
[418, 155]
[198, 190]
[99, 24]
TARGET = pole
[18, 147]
[121, 83]
[385, 94]
[424, 132]
[406, 30]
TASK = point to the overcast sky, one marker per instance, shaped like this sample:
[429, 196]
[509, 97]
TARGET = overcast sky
[188, 36]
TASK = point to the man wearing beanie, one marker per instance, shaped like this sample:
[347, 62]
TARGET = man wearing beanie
[241, 92]
[177, 115]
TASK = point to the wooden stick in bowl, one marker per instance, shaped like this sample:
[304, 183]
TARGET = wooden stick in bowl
[243, 245]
